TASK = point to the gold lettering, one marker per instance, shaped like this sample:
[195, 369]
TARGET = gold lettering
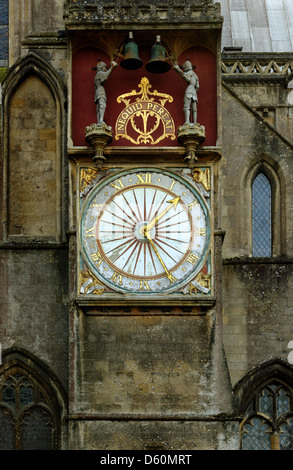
[194, 203]
[117, 278]
[145, 178]
[143, 134]
[200, 232]
[118, 185]
[172, 184]
[192, 258]
[97, 258]
[95, 204]
[88, 231]
[143, 285]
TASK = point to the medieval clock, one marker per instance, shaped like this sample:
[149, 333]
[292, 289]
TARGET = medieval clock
[145, 233]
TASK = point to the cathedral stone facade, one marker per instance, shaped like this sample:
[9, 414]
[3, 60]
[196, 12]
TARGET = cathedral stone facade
[146, 239]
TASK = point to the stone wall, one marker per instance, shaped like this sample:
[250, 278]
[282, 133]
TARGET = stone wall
[149, 365]
[138, 381]
[34, 305]
[33, 191]
[33, 249]
[154, 435]
[257, 295]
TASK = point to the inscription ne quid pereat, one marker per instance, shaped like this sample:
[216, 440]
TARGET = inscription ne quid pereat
[140, 120]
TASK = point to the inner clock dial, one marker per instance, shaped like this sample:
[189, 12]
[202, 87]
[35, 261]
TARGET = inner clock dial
[145, 232]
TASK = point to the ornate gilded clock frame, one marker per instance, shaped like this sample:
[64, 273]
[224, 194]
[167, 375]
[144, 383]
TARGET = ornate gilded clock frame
[94, 290]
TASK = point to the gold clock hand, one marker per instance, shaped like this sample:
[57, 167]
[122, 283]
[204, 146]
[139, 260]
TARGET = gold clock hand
[148, 236]
[172, 203]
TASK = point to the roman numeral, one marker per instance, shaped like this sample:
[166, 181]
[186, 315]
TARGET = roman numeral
[143, 285]
[200, 232]
[118, 185]
[116, 277]
[172, 185]
[144, 178]
[97, 258]
[89, 232]
[194, 203]
[192, 258]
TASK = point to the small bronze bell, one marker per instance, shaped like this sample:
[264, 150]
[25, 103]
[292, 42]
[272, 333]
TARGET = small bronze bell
[131, 60]
[158, 62]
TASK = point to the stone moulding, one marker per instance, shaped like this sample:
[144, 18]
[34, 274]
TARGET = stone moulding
[176, 11]
[249, 67]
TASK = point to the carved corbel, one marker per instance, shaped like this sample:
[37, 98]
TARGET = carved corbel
[99, 136]
[191, 135]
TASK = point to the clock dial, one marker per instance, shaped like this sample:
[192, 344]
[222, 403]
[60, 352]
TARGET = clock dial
[145, 231]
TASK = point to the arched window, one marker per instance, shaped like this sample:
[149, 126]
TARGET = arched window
[261, 216]
[268, 423]
[30, 415]
[4, 34]
[265, 400]
[262, 220]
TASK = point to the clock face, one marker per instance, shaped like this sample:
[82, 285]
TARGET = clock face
[145, 231]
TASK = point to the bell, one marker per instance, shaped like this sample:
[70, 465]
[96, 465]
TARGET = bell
[131, 60]
[158, 62]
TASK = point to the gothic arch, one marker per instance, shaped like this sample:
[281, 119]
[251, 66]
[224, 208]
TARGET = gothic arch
[260, 376]
[32, 63]
[265, 403]
[31, 400]
[263, 164]
[24, 69]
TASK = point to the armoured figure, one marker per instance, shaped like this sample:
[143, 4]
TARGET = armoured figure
[190, 96]
[102, 75]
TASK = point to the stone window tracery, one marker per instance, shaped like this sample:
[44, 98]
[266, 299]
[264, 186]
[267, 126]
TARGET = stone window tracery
[27, 418]
[268, 419]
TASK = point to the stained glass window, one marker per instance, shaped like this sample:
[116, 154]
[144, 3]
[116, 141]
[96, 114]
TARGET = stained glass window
[256, 435]
[4, 33]
[8, 392]
[268, 422]
[266, 402]
[26, 421]
[37, 430]
[286, 435]
[26, 393]
[261, 217]
[6, 430]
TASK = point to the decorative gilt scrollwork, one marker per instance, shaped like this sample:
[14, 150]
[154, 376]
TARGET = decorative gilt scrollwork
[141, 118]
[87, 175]
[201, 283]
[89, 284]
[202, 177]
